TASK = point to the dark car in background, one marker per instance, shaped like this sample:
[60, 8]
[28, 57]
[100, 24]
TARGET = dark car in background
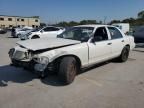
[139, 34]
[3, 31]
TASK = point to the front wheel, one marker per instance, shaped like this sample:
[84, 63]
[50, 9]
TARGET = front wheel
[68, 69]
[124, 54]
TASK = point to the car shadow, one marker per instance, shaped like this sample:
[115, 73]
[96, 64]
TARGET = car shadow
[10, 73]
[92, 67]
[53, 80]
[138, 50]
[12, 37]
[139, 47]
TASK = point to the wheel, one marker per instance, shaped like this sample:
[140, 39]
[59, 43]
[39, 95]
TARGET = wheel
[18, 36]
[68, 69]
[124, 54]
[35, 37]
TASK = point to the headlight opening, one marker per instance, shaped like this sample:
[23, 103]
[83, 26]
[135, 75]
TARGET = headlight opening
[42, 60]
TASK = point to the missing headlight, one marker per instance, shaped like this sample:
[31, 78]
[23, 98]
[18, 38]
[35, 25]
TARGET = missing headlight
[41, 60]
[11, 52]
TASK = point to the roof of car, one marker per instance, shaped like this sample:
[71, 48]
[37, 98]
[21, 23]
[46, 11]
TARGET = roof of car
[93, 25]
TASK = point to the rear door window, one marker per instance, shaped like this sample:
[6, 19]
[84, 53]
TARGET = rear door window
[115, 33]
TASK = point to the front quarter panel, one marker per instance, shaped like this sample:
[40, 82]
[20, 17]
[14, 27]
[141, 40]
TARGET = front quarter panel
[78, 50]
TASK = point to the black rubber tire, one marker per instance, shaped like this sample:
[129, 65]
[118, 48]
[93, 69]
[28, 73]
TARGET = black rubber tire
[18, 36]
[124, 54]
[68, 70]
[35, 37]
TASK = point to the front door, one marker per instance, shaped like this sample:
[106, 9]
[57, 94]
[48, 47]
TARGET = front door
[100, 49]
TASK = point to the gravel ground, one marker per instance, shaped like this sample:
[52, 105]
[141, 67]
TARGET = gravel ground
[109, 85]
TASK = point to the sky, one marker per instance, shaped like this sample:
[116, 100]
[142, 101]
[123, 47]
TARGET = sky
[53, 11]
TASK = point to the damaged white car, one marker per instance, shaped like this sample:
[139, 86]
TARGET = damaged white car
[74, 49]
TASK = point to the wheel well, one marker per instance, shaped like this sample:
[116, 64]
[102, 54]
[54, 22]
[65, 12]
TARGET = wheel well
[35, 36]
[61, 57]
[128, 45]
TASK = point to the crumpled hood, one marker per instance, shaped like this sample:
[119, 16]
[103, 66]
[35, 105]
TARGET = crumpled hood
[46, 43]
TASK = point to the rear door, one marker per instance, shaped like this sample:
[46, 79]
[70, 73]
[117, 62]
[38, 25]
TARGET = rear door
[117, 41]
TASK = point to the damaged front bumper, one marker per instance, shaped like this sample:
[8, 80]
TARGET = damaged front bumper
[25, 64]
[21, 58]
[34, 67]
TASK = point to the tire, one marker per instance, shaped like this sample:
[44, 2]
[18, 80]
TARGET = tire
[18, 36]
[68, 70]
[35, 37]
[124, 54]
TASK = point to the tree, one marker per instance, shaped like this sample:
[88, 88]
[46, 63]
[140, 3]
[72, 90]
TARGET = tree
[73, 23]
[141, 14]
[63, 24]
[115, 21]
[42, 24]
[139, 22]
[100, 22]
[128, 20]
[84, 22]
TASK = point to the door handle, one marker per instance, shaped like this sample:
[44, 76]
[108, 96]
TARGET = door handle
[109, 43]
[122, 41]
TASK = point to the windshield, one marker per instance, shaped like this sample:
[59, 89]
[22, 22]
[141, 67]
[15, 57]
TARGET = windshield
[77, 33]
[25, 29]
[37, 29]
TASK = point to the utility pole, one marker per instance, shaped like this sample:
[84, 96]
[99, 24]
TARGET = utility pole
[105, 18]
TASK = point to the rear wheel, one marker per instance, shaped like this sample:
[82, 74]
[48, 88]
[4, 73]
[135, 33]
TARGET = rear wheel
[68, 69]
[124, 54]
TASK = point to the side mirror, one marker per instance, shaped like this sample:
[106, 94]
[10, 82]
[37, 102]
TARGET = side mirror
[93, 40]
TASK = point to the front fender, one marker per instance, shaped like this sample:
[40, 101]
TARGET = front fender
[52, 55]
[80, 51]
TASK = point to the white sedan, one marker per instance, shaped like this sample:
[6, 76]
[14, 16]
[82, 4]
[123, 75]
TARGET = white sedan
[48, 31]
[74, 49]
[17, 32]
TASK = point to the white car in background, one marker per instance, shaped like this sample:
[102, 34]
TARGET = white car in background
[49, 31]
[24, 31]
[17, 32]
